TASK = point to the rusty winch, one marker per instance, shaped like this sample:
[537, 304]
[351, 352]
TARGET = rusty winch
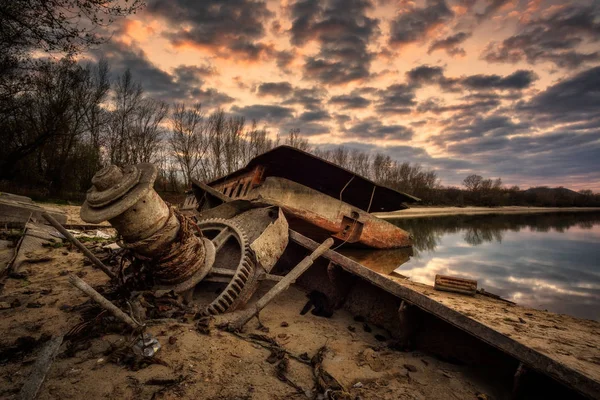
[179, 252]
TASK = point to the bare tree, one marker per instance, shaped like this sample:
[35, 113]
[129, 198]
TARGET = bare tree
[189, 139]
[295, 140]
[258, 142]
[216, 126]
[147, 131]
[127, 100]
[473, 182]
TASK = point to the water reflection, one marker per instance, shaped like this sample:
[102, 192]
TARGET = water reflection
[478, 229]
[546, 261]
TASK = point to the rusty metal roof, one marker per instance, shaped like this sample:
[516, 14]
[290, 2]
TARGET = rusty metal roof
[308, 170]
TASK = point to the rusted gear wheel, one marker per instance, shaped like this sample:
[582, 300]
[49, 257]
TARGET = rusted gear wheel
[220, 231]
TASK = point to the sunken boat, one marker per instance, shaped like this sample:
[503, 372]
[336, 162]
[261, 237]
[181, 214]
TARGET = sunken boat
[318, 198]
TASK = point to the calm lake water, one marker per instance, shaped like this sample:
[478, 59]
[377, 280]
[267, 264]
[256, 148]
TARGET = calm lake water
[549, 261]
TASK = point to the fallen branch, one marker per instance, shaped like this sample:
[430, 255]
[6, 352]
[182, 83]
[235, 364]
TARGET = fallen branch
[103, 302]
[80, 246]
[241, 318]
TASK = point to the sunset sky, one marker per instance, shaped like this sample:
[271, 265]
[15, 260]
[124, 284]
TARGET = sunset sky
[501, 88]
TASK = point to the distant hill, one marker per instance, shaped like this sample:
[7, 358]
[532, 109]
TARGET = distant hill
[557, 197]
[548, 191]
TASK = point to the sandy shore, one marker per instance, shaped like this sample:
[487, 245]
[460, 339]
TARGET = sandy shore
[420, 212]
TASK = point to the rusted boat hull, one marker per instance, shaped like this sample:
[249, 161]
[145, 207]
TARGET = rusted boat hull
[319, 199]
[317, 215]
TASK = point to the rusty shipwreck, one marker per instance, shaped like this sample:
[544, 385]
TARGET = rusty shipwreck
[318, 198]
[289, 218]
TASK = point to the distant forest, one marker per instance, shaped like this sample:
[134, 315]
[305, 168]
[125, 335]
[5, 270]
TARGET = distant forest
[61, 121]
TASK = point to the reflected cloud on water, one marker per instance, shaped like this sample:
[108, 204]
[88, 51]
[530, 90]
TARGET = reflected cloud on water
[545, 261]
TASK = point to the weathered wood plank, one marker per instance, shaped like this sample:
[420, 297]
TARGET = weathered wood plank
[12, 211]
[40, 369]
[544, 353]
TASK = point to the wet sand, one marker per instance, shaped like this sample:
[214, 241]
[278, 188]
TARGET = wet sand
[422, 212]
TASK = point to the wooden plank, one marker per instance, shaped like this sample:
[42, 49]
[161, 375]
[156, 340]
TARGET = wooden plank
[31, 247]
[12, 211]
[455, 284]
[40, 369]
[578, 369]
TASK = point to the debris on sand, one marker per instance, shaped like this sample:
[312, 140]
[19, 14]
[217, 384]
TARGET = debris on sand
[171, 298]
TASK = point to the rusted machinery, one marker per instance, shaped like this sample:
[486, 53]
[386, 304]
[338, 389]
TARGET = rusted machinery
[178, 252]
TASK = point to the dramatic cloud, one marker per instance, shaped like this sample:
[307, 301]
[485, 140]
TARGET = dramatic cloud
[350, 101]
[343, 32]
[186, 83]
[308, 98]
[517, 80]
[576, 99]
[496, 87]
[278, 89]
[314, 116]
[374, 129]
[554, 38]
[428, 75]
[450, 44]
[477, 127]
[396, 99]
[232, 27]
[566, 111]
[263, 112]
[414, 24]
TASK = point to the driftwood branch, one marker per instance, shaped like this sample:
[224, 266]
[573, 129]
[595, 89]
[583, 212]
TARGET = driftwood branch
[80, 246]
[246, 315]
[102, 301]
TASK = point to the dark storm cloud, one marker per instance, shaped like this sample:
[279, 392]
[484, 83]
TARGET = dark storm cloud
[554, 38]
[308, 98]
[414, 24]
[279, 89]
[284, 59]
[425, 74]
[185, 84]
[520, 79]
[193, 74]
[313, 116]
[429, 75]
[350, 101]
[527, 156]
[450, 44]
[573, 99]
[343, 32]
[396, 99]
[493, 126]
[262, 112]
[554, 135]
[372, 128]
[232, 26]
[437, 106]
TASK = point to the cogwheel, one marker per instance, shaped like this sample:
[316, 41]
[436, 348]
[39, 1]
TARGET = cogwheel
[239, 277]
